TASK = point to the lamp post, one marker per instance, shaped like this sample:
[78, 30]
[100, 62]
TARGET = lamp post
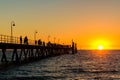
[12, 24]
[35, 36]
[48, 38]
[54, 39]
[58, 41]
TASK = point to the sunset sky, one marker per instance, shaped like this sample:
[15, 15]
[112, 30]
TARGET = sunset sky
[88, 22]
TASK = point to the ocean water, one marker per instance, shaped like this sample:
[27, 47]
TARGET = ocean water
[85, 65]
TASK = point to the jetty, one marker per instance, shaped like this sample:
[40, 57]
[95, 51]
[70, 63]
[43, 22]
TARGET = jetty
[20, 52]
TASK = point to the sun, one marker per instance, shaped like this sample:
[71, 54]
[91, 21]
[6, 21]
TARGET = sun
[100, 47]
[100, 44]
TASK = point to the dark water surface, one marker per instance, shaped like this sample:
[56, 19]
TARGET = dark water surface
[85, 65]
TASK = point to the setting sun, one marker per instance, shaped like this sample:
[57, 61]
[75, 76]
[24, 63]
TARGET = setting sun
[100, 44]
[100, 47]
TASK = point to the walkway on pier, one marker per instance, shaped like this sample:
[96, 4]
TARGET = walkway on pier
[29, 52]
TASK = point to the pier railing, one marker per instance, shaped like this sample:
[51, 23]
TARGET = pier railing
[8, 39]
[14, 40]
[29, 51]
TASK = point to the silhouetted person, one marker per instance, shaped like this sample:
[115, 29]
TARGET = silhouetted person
[35, 42]
[26, 40]
[49, 43]
[20, 39]
[73, 47]
[39, 42]
[43, 43]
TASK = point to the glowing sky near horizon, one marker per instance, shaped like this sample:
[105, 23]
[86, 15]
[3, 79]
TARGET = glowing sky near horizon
[85, 21]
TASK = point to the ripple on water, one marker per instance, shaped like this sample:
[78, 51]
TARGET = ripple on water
[82, 66]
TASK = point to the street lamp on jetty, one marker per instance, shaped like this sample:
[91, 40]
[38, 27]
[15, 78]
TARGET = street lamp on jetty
[58, 41]
[48, 38]
[35, 37]
[12, 24]
[54, 39]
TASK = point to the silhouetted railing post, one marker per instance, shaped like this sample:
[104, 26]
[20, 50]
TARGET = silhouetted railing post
[0, 38]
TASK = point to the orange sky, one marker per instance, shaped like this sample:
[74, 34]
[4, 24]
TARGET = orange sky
[84, 21]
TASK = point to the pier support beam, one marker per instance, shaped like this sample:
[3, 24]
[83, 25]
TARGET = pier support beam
[15, 55]
[4, 58]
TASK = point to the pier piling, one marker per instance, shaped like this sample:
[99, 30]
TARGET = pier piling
[27, 53]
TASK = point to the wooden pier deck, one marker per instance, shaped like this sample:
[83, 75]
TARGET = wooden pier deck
[30, 52]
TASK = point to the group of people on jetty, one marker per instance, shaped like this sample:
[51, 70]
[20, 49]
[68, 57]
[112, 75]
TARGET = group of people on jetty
[49, 44]
[42, 43]
[25, 40]
[38, 42]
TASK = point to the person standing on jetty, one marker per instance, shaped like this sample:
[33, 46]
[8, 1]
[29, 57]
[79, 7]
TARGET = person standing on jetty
[20, 39]
[26, 40]
[35, 42]
[39, 42]
[43, 43]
